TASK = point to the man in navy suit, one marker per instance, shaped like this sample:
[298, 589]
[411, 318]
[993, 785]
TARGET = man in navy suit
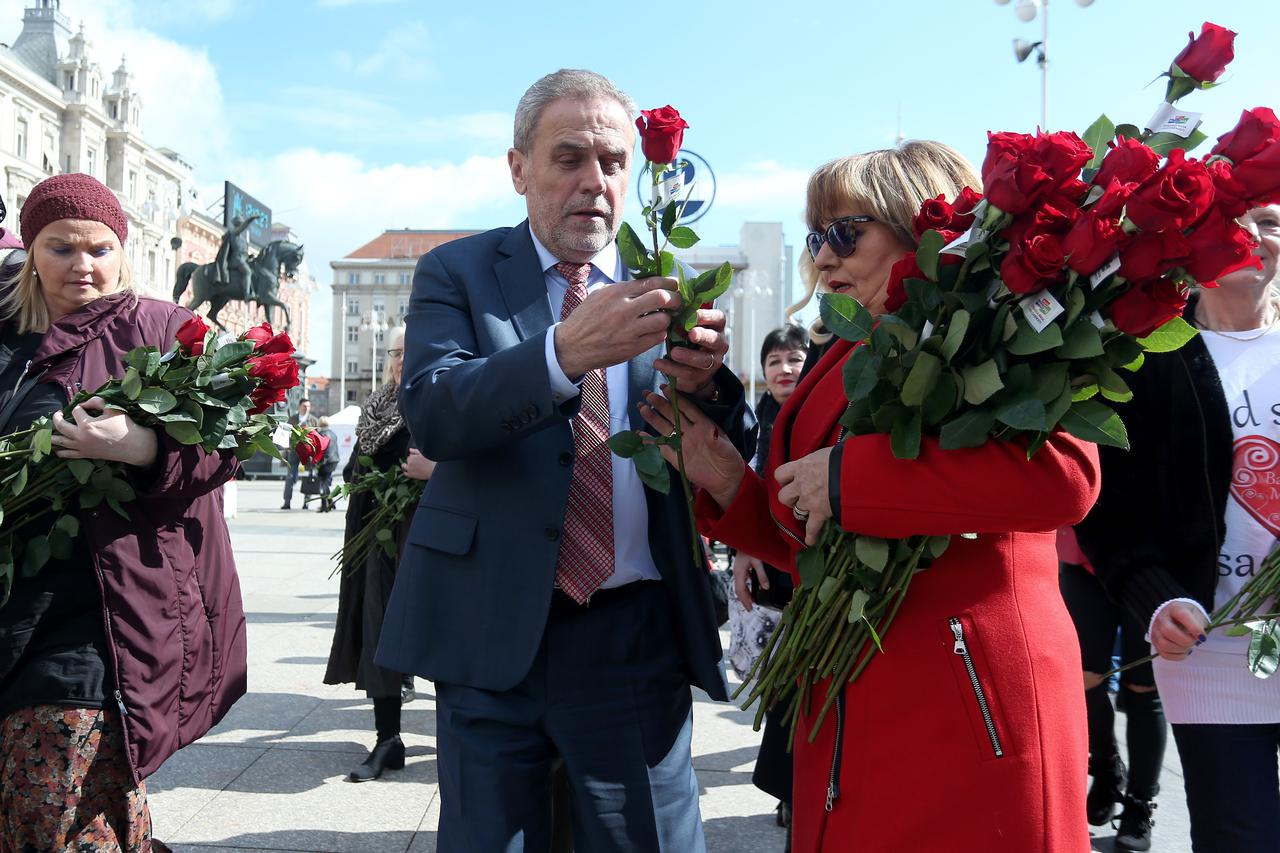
[549, 595]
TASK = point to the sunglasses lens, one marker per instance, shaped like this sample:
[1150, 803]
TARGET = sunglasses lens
[842, 238]
[814, 241]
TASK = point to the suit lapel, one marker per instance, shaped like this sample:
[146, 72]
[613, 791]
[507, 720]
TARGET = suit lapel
[523, 286]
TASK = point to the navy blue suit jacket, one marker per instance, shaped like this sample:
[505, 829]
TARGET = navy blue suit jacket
[474, 585]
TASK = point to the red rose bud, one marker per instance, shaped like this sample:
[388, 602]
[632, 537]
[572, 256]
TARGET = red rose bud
[1062, 155]
[1206, 56]
[661, 133]
[1114, 198]
[1013, 185]
[1092, 240]
[191, 335]
[1173, 197]
[963, 208]
[1257, 129]
[1033, 264]
[267, 341]
[1147, 306]
[1150, 255]
[1219, 246]
[312, 447]
[896, 290]
[1128, 161]
[935, 215]
[275, 370]
[1259, 177]
[264, 397]
[258, 334]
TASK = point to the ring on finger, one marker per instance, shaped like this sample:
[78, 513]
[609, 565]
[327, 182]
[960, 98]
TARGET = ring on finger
[800, 514]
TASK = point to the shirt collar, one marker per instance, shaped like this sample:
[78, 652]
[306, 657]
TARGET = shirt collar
[605, 262]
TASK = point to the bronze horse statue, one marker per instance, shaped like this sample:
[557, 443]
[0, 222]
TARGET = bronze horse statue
[280, 257]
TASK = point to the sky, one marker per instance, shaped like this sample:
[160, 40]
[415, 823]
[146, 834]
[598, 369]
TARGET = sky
[348, 117]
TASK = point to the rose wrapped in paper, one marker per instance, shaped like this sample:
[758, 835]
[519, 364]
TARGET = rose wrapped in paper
[206, 390]
[1079, 261]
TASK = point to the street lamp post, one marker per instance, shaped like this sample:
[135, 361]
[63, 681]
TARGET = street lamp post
[376, 324]
[342, 381]
[751, 292]
[1026, 10]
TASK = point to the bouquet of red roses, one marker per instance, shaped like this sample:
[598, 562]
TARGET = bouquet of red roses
[1015, 317]
[207, 390]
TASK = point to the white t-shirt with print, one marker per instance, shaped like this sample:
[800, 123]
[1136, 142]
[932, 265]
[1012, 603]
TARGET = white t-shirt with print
[1214, 684]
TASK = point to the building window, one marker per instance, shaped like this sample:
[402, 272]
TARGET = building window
[351, 396]
[151, 265]
[133, 185]
[353, 278]
[404, 307]
[381, 336]
[405, 278]
[379, 278]
[353, 367]
[353, 305]
[20, 143]
[91, 162]
[353, 334]
[381, 362]
[379, 304]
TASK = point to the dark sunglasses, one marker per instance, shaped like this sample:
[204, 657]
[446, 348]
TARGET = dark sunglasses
[840, 234]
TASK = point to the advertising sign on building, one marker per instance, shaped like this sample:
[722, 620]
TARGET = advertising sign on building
[237, 202]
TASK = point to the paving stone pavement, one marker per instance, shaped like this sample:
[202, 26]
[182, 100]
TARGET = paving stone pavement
[271, 776]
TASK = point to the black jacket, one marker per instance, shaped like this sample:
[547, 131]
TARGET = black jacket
[1159, 523]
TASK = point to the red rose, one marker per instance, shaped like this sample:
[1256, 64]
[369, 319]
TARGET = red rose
[1069, 195]
[312, 447]
[275, 370]
[1092, 240]
[1147, 306]
[661, 133]
[1206, 56]
[896, 290]
[1228, 195]
[1173, 197]
[963, 207]
[1046, 219]
[935, 215]
[191, 335]
[1033, 263]
[1219, 246]
[1259, 177]
[267, 342]
[1257, 129]
[1114, 198]
[264, 397]
[1013, 182]
[1152, 254]
[1062, 155]
[258, 334]
[1128, 161]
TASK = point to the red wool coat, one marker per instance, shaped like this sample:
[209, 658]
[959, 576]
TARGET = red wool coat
[919, 768]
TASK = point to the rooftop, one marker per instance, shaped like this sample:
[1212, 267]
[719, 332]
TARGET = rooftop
[406, 243]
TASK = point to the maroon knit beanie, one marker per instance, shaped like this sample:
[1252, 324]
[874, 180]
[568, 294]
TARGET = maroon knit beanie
[73, 196]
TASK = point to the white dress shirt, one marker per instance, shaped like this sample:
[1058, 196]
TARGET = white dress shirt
[632, 560]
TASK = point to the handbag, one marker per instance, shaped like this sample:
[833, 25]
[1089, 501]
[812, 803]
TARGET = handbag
[310, 484]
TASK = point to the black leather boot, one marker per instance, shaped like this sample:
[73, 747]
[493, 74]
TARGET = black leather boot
[1134, 832]
[387, 755]
[1109, 778]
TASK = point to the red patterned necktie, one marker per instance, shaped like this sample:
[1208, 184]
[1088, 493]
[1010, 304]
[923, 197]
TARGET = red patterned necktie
[586, 545]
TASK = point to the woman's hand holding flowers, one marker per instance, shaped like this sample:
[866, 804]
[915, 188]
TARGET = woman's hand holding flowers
[110, 435]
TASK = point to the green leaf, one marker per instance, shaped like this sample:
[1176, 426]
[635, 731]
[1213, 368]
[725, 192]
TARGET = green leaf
[845, 317]
[19, 482]
[1113, 387]
[861, 373]
[1129, 131]
[981, 381]
[858, 605]
[971, 429]
[383, 534]
[667, 264]
[1023, 412]
[157, 401]
[184, 432]
[36, 553]
[1028, 341]
[1102, 131]
[1264, 649]
[682, 237]
[230, 353]
[1082, 340]
[632, 249]
[811, 565]
[648, 460]
[69, 524]
[1238, 631]
[872, 552]
[668, 220]
[828, 588]
[1094, 421]
[904, 438]
[955, 334]
[1168, 337]
[938, 546]
[42, 442]
[625, 444]
[922, 378]
[931, 243]
[131, 384]
[720, 283]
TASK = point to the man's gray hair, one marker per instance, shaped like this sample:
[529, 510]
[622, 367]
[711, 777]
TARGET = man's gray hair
[571, 83]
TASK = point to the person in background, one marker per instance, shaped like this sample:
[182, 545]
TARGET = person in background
[1183, 523]
[327, 465]
[906, 761]
[95, 690]
[365, 586]
[302, 417]
[1098, 619]
[782, 358]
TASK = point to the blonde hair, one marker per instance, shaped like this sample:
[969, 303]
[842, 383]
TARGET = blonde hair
[889, 185]
[23, 300]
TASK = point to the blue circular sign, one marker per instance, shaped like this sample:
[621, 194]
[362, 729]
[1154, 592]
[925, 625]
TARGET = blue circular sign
[698, 175]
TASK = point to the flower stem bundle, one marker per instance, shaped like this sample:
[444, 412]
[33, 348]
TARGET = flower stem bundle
[393, 494]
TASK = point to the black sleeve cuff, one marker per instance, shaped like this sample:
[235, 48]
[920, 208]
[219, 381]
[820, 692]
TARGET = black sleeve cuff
[833, 480]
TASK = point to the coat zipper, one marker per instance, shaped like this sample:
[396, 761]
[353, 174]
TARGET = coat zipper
[120, 701]
[23, 376]
[962, 648]
[837, 755]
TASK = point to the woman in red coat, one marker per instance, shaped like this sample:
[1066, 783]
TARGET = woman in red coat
[968, 733]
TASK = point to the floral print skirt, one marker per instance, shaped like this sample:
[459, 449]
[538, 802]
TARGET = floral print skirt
[65, 784]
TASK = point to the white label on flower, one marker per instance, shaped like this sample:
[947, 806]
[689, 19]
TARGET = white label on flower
[978, 234]
[1040, 309]
[1170, 119]
[220, 381]
[282, 435]
[670, 189]
[959, 245]
[225, 338]
[927, 331]
[1096, 319]
[1105, 271]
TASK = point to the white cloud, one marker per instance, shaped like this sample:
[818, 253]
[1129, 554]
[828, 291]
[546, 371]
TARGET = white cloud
[767, 184]
[401, 54]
